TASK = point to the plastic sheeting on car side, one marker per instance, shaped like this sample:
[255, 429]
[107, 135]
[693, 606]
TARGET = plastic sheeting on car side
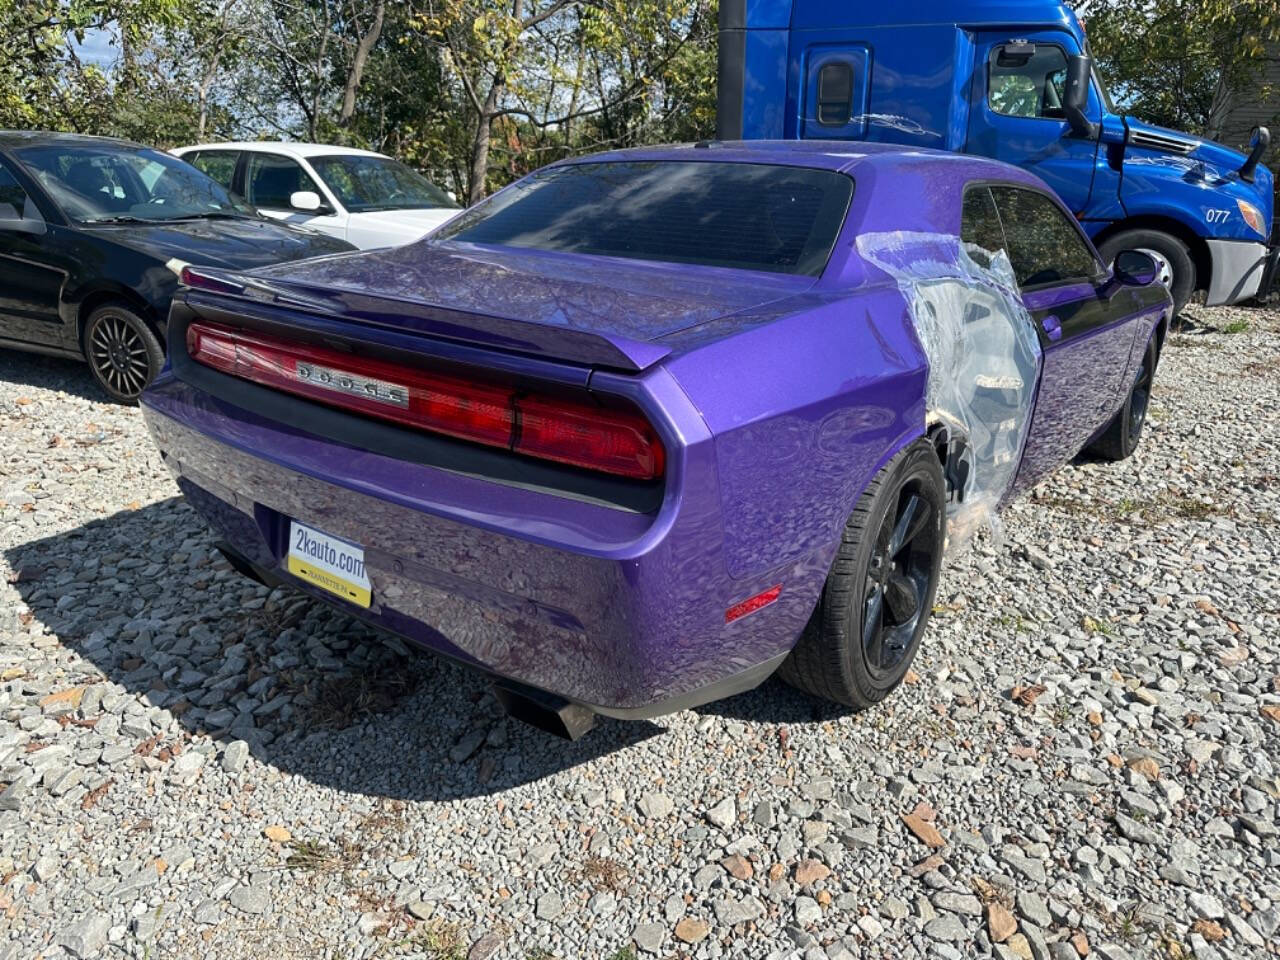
[984, 359]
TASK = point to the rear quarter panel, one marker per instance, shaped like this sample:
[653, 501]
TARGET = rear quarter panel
[804, 408]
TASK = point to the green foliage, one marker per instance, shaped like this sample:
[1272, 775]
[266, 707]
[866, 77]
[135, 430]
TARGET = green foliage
[474, 93]
[1182, 62]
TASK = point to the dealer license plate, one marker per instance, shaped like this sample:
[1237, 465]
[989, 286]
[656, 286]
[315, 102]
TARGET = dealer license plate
[329, 563]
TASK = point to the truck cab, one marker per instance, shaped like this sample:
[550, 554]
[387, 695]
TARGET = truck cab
[1013, 80]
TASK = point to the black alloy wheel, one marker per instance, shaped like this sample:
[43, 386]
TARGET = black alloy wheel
[873, 609]
[122, 351]
[1124, 433]
[898, 580]
[1141, 396]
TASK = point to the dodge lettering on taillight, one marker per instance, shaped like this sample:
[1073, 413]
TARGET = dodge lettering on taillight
[344, 382]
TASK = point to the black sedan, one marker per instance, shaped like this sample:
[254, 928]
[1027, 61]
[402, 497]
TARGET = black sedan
[94, 234]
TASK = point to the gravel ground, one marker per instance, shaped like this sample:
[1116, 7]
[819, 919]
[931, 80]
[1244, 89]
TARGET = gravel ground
[1084, 761]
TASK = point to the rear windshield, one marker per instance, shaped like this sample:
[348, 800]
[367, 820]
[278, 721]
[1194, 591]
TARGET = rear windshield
[749, 216]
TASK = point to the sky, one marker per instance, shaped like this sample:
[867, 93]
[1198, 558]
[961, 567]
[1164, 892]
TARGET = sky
[97, 48]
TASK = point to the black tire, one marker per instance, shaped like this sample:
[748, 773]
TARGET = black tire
[1124, 433]
[124, 353]
[834, 658]
[1173, 250]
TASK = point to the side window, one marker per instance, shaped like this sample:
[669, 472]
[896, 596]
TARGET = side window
[1027, 80]
[1044, 245]
[980, 229]
[219, 165]
[15, 204]
[271, 179]
[835, 94]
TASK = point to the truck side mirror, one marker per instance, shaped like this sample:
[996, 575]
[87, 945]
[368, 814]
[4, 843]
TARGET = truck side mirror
[1076, 100]
[1258, 144]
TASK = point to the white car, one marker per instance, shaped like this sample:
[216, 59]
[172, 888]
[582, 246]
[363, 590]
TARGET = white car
[365, 198]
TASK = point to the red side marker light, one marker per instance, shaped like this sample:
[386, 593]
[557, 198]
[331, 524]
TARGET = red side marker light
[751, 605]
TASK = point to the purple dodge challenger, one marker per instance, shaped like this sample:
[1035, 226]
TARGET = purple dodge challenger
[646, 427]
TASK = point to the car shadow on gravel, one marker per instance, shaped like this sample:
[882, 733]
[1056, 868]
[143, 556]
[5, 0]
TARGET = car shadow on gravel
[50, 373]
[144, 597]
[776, 703]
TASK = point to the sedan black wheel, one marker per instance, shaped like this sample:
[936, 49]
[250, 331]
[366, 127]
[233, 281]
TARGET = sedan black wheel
[1124, 433]
[123, 353]
[876, 602]
[898, 579]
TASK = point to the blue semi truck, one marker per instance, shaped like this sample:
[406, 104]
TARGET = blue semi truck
[1013, 80]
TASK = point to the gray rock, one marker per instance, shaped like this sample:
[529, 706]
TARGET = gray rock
[87, 936]
[147, 925]
[724, 814]
[207, 912]
[235, 756]
[1259, 825]
[807, 911]
[115, 753]
[1243, 931]
[732, 912]
[764, 815]
[965, 903]
[1206, 905]
[251, 898]
[1134, 831]
[421, 909]
[187, 768]
[45, 867]
[549, 906]
[467, 745]
[946, 927]
[1032, 906]
[893, 908]
[649, 937]
[1038, 558]
[13, 795]
[1265, 921]
[870, 926]
[603, 904]
[540, 854]
[655, 806]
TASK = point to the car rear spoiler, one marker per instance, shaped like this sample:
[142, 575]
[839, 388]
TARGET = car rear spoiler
[508, 334]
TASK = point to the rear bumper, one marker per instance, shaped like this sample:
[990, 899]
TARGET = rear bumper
[1271, 273]
[617, 610]
[1238, 271]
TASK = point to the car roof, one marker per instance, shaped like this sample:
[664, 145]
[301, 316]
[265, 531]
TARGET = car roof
[846, 156]
[284, 147]
[47, 138]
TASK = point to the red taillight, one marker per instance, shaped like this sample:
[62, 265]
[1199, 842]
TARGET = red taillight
[620, 442]
[567, 431]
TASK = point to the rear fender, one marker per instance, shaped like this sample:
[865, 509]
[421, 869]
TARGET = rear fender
[804, 410]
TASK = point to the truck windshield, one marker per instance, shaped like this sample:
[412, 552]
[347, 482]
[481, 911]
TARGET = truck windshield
[763, 217]
[1107, 103]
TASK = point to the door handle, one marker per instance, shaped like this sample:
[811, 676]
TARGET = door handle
[1052, 327]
